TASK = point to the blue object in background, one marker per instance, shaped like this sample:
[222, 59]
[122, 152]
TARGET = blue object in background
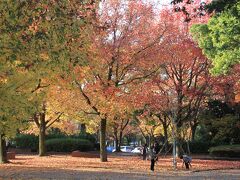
[110, 148]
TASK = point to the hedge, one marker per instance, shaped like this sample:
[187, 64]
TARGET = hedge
[28, 141]
[68, 145]
[225, 151]
[200, 147]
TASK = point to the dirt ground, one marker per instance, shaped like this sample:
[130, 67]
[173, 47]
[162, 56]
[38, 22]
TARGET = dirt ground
[117, 167]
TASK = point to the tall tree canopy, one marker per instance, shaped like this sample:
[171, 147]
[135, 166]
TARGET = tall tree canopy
[123, 53]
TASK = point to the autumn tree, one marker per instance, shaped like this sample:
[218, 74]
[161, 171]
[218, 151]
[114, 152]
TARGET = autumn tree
[44, 36]
[124, 44]
[187, 78]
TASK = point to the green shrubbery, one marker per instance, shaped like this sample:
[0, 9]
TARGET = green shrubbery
[87, 136]
[84, 142]
[68, 145]
[200, 147]
[27, 141]
[225, 151]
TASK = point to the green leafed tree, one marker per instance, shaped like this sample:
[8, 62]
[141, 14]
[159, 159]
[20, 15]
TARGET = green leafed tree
[220, 39]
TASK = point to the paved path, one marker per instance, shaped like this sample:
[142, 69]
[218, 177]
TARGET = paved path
[58, 174]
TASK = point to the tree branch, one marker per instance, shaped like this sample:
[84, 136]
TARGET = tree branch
[87, 99]
[56, 119]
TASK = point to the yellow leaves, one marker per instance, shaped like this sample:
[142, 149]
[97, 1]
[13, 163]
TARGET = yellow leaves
[44, 56]
[3, 80]
[17, 62]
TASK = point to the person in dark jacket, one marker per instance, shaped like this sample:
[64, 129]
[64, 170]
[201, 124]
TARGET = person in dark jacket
[156, 149]
[153, 156]
[144, 152]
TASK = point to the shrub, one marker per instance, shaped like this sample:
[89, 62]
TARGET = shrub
[53, 133]
[200, 147]
[85, 135]
[225, 151]
[55, 136]
[27, 141]
[97, 146]
[68, 145]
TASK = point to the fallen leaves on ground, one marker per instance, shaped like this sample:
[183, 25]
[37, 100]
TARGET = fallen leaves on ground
[115, 164]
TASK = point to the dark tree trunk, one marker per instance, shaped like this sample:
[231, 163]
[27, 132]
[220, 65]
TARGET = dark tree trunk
[188, 148]
[82, 128]
[3, 150]
[120, 139]
[165, 137]
[118, 149]
[103, 152]
[193, 129]
[42, 135]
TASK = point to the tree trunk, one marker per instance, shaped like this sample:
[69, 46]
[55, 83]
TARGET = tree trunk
[3, 150]
[82, 128]
[178, 148]
[42, 135]
[193, 129]
[178, 142]
[188, 148]
[165, 137]
[120, 139]
[103, 152]
[117, 146]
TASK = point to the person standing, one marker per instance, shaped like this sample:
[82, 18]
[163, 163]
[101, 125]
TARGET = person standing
[144, 152]
[156, 149]
[152, 155]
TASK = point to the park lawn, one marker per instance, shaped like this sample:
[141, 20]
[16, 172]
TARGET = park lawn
[114, 164]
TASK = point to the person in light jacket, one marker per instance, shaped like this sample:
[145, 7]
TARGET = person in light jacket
[186, 160]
